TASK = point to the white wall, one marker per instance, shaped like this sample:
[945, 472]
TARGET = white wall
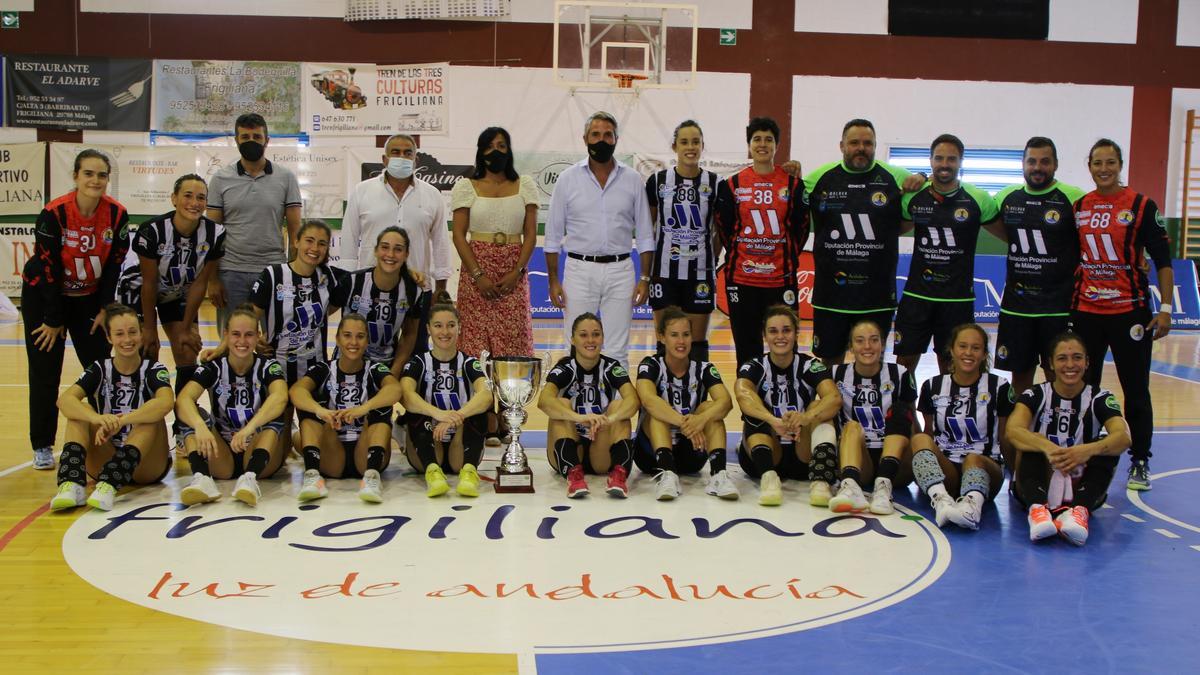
[864, 17]
[543, 117]
[1187, 30]
[1182, 100]
[991, 114]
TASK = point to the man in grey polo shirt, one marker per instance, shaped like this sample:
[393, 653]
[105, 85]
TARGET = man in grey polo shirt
[251, 197]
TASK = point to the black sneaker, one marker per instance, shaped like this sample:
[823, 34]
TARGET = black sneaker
[1139, 476]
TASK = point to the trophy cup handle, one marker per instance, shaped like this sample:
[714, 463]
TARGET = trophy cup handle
[485, 357]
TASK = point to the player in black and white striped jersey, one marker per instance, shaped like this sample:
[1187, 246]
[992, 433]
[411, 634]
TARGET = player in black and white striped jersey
[345, 410]
[115, 413]
[447, 400]
[684, 404]
[294, 301]
[589, 401]
[876, 423]
[244, 436]
[389, 295]
[1068, 436]
[788, 404]
[681, 205]
[962, 446]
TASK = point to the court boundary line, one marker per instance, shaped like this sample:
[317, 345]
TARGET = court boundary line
[1136, 498]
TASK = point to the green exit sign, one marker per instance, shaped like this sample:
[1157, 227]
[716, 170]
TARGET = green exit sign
[10, 19]
[728, 37]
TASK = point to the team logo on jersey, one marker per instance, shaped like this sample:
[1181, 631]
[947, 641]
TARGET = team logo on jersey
[888, 387]
[1111, 402]
[665, 191]
[840, 278]
[1002, 352]
[107, 235]
[961, 215]
[1012, 395]
[477, 366]
[704, 189]
[784, 193]
[899, 336]
[163, 376]
[1052, 216]
[879, 199]
[712, 370]
[1137, 331]
[1125, 217]
[816, 365]
[619, 371]
[984, 398]
[382, 369]
[275, 369]
[644, 368]
[703, 291]
[789, 297]
[202, 248]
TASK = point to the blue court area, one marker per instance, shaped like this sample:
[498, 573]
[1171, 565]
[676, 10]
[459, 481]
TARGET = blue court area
[1126, 602]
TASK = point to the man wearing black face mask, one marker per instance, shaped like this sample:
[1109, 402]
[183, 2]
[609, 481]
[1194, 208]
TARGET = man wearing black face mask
[598, 212]
[252, 197]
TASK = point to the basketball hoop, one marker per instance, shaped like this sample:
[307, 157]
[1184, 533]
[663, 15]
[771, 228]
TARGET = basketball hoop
[626, 80]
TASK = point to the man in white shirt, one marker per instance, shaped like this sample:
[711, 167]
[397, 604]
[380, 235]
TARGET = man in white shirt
[597, 212]
[398, 197]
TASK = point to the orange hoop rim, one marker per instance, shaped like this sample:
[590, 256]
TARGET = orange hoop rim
[626, 80]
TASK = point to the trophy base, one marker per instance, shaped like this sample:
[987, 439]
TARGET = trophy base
[514, 481]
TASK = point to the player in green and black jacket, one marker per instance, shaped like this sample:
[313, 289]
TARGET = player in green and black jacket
[940, 291]
[1043, 252]
[855, 207]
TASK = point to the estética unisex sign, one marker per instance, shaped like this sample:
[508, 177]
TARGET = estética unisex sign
[70, 92]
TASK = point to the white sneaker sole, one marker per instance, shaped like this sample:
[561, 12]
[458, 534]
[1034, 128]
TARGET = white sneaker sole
[246, 497]
[191, 496]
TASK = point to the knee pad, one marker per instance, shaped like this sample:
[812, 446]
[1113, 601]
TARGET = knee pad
[926, 469]
[976, 479]
[823, 433]
[71, 467]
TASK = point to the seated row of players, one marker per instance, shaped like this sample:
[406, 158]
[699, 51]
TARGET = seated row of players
[1063, 438]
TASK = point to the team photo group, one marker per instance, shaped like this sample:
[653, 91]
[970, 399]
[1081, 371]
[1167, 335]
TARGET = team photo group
[406, 359]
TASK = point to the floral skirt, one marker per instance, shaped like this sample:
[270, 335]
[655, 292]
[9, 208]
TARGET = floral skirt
[503, 326]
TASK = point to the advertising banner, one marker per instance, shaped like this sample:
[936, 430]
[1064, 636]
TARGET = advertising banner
[352, 99]
[322, 175]
[205, 97]
[70, 92]
[142, 177]
[16, 245]
[22, 177]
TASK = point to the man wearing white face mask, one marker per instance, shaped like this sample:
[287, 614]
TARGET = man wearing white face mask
[398, 197]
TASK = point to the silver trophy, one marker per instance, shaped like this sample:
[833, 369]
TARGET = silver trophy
[514, 380]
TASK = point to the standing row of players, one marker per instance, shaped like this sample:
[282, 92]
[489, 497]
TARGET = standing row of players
[1075, 260]
[1060, 441]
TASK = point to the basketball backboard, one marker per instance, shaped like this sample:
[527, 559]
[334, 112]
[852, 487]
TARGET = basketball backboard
[598, 46]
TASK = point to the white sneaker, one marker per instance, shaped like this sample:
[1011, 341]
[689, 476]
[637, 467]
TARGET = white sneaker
[770, 489]
[968, 512]
[201, 490]
[943, 505]
[819, 493]
[667, 486]
[849, 498]
[102, 497]
[43, 458]
[721, 485]
[1072, 525]
[313, 486]
[246, 489]
[1041, 523]
[69, 496]
[881, 498]
[371, 488]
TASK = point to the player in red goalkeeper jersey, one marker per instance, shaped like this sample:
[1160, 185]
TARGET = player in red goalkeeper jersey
[762, 221]
[79, 242]
[1111, 304]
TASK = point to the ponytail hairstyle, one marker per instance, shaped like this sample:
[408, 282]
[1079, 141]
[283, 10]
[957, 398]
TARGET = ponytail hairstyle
[781, 310]
[586, 316]
[405, 272]
[668, 315]
[247, 310]
[317, 223]
[116, 309]
[443, 304]
[352, 316]
[987, 350]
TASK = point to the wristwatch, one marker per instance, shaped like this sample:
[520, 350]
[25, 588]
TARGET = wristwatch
[644, 278]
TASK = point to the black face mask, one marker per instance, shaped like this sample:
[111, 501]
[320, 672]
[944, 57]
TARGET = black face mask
[252, 151]
[495, 161]
[601, 151]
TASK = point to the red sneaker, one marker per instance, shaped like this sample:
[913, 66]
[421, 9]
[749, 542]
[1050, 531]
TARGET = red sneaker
[1073, 525]
[576, 485]
[1041, 524]
[616, 482]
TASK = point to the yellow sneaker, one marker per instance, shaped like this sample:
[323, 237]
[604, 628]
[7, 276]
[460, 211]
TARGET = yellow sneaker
[435, 481]
[468, 481]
